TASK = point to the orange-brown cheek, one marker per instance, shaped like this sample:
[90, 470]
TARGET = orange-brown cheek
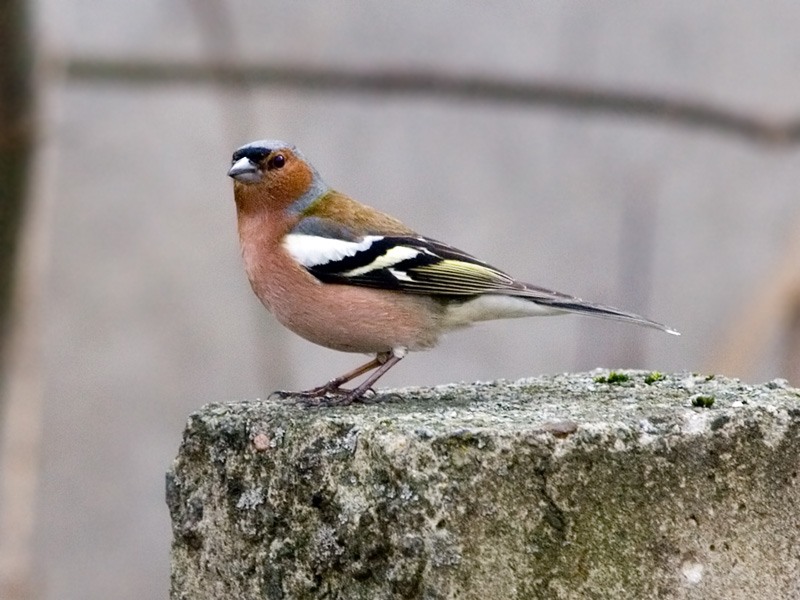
[277, 191]
[288, 185]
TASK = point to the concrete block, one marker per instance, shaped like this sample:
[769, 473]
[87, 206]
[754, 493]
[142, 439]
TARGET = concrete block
[590, 485]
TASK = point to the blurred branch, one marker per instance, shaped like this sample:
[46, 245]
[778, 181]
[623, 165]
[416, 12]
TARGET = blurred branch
[466, 88]
[16, 143]
[22, 260]
[23, 390]
[792, 364]
[19, 351]
[774, 305]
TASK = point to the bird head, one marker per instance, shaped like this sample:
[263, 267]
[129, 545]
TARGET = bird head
[274, 175]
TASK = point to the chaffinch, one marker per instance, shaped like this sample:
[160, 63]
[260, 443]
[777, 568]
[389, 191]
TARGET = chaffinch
[348, 277]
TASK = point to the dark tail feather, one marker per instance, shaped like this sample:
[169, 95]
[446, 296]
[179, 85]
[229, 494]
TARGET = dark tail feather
[577, 305]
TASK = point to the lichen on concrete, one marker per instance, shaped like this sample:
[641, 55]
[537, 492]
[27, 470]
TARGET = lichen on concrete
[549, 487]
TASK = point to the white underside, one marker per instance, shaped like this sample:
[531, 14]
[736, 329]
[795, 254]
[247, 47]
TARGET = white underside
[490, 306]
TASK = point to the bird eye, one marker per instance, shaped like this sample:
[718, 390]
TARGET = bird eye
[276, 162]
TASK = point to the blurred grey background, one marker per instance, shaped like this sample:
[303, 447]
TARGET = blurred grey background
[138, 310]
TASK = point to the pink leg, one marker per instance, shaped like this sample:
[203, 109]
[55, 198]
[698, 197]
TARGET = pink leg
[317, 396]
[338, 382]
[358, 392]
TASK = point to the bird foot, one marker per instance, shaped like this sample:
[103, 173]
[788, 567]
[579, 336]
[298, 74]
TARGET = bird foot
[325, 396]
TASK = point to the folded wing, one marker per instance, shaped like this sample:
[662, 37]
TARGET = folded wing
[419, 265]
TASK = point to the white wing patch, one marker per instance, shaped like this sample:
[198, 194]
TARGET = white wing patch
[400, 275]
[391, 257]
[313, 250]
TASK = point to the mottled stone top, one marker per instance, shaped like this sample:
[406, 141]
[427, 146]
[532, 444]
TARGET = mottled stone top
[602, 485]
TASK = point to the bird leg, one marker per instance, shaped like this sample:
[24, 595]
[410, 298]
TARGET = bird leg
[335, 384]
[317, 396]
[390, 360]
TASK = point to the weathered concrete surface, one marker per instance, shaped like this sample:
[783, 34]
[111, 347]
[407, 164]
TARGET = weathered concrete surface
[557, 487]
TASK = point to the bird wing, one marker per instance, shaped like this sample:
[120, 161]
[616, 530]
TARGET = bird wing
[418, 265]
[411, 264]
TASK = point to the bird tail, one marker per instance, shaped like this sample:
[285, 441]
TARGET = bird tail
[576, 305]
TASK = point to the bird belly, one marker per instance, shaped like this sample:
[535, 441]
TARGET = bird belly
[353, 319]
[343, 317]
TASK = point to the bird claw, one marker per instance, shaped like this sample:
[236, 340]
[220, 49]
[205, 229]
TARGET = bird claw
[322, 397]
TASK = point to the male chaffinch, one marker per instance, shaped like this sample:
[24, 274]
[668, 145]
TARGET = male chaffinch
[348, 277]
